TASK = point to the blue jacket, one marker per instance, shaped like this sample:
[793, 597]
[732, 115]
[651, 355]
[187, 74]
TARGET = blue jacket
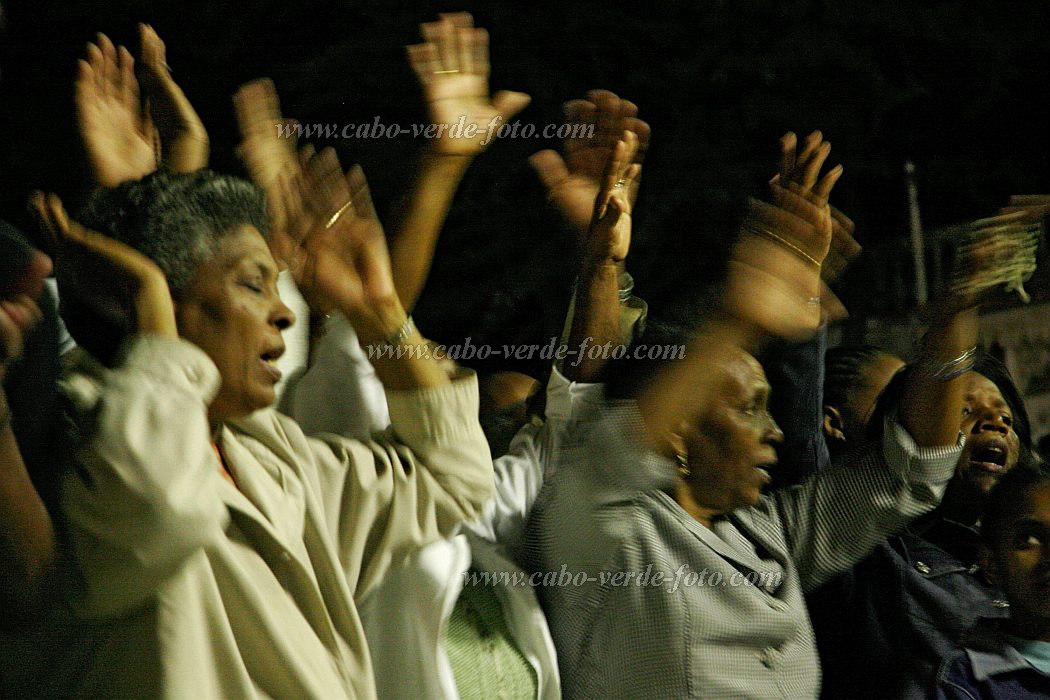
[988, 668]
[883, 628]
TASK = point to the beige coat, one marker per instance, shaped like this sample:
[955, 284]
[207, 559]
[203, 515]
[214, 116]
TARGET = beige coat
[191, 587]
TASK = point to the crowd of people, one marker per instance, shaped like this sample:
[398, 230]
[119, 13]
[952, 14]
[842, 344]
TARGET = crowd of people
[232, 465]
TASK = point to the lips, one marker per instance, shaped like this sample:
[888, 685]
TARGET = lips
[269, 362]
[989, 456]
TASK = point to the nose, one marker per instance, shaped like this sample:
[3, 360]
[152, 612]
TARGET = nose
[282, 317]
[773, 432]
[991, 420]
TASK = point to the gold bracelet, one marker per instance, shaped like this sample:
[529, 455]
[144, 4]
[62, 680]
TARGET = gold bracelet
[798, 251]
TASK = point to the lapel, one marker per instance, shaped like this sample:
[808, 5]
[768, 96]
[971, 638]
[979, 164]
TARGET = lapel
[734, 548]
[269, 508]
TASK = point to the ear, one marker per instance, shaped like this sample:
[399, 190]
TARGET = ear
[833, 425]
[988, 564]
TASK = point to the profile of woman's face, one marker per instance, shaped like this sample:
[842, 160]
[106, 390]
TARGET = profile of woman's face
[232, 312]
[731, 446]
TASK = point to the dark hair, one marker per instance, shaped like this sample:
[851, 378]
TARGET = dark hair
[1009, 495]
[843, 368]
[626, 377]
[176, 219]
[986, 365]
[991, 367]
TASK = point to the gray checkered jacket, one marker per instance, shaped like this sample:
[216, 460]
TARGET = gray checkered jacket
[645, 602]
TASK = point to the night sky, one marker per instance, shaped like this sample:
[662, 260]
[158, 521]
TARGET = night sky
[958, 87]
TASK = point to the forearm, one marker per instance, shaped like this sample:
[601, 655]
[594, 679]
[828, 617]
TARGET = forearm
[423, 214]
[837, 516]
[596, 319]
[404, 364]
[931, 405]
[28, 548]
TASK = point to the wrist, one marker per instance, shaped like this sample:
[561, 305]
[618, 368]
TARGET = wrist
[382, 321]
[450, 161]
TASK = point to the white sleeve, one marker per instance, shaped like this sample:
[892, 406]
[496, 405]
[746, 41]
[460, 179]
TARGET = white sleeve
[340, 393]
[520, 473]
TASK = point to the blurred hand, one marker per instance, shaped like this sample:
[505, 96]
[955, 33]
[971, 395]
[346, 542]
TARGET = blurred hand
[609, 236]
[109, 277]
[19, 312]
[336, 247]
[269, 159]
[123, 138]
[453, 70]
[573, 179]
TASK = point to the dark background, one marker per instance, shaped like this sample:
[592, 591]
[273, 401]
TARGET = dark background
[958, 87]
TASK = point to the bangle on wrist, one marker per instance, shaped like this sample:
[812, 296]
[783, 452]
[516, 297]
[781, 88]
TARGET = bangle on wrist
[952, 369]
[407, 327]
[762, 231]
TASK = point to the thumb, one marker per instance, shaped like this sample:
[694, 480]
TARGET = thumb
[508, 103]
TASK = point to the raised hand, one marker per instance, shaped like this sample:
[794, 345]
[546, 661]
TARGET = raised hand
[183, 139]
[774, 281]
[269, 159]
[124, 139]
[111, 278]
[573, 179]
[118, 136]
[609, 236]
[19, 311]
[337, 247]
[453, 70]
[991, 253]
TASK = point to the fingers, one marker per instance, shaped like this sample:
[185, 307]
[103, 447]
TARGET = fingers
[823, 188]
[811, 167]
[153, 51]
[360, 195]
[452, 45]
[788, 145]
[127, 84]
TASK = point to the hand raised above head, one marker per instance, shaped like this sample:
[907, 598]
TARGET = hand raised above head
[111, 278]
[268, 157]
[125, 139]
[337, 248]
[453, 69]
[183, 138]
[573, 178]
[117, 134]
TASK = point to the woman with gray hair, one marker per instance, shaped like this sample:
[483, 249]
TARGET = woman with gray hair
[218, 551]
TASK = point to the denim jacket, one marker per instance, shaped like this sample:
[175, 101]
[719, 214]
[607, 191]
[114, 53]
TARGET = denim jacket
[884, 628]
[989, 668]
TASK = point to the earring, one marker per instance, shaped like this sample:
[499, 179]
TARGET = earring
[683, 464]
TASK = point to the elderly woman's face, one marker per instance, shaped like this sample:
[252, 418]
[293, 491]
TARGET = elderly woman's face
[233, 313]
[732, 445]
